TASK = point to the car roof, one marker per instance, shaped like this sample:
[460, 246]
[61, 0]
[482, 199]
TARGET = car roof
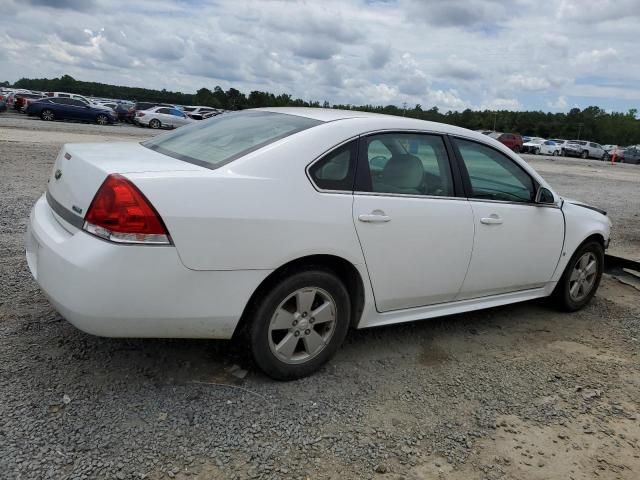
[390, 121]
[322, 114]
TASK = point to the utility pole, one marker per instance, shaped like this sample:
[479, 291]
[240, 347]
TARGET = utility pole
[580, 125]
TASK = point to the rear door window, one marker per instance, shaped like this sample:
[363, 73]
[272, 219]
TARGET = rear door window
[407, 163]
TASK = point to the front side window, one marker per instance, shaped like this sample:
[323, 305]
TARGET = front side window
[493, 175]
[227, 137]
[336, 171]
[409, 164]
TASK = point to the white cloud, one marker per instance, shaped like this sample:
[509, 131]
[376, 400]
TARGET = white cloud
[559, 104]
[525, 82]
[454, 55]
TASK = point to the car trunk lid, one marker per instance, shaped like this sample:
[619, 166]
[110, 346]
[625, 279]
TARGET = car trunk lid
[80, 170]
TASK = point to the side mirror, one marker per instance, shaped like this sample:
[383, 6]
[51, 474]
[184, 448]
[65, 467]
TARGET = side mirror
[544, 196]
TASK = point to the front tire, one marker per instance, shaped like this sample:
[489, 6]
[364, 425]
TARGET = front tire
[536, 151]
[102, 119]
[584, 155]
[155, 124]
[299, 324]
[556, 153]
[581, 277]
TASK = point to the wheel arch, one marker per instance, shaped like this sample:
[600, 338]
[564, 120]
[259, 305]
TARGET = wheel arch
[343, 269]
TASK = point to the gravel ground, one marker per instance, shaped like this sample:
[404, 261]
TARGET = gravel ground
[508, 393]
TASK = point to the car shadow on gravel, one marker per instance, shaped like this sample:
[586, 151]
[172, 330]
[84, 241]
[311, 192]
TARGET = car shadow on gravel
[180, 361]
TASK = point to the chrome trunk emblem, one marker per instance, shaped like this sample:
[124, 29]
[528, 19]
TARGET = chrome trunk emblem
[58, 174]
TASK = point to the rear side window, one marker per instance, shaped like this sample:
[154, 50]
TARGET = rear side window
[336, 171]
[227, 137]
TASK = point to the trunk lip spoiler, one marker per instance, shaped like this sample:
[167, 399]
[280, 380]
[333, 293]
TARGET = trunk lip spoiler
[66, 214]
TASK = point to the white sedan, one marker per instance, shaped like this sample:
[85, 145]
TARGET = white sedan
[289, 226]
[161, 117]
[548, 147]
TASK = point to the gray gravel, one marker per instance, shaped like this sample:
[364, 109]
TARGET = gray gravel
[515, 392]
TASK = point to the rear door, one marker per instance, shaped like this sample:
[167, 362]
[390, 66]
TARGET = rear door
[517, 242]
[416, 233]
[164, 115]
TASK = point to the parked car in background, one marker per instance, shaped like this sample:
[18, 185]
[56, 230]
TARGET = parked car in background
[533, 145]
[584, 149]
[197, 113]
[140, 106]
[3, 106]
[609, 147]
[629, 154]
[233, 216]
[120, 109]
[548, 147]
[213, 114]
[162, 117]
[64, 108]
[20, 102]
[513, 141]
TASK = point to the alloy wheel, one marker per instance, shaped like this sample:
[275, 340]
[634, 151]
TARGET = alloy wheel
[102, 120]
[583, 277]
[47, 115]
[302, 325]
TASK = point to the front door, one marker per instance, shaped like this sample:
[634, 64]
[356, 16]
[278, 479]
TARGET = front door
[517, 242]
[416, 234]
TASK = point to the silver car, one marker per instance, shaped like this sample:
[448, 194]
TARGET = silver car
[162, 117]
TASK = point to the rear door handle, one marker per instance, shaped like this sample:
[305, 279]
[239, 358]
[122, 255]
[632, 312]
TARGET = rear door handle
[492, 219]
[377, 216]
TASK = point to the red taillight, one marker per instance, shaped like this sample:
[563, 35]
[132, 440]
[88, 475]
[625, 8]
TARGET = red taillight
[121, 213]
[139, 114]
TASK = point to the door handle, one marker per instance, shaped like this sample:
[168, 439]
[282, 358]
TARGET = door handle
[492, 219]
[377, 216]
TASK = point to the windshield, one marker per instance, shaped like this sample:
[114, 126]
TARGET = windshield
[224, 138]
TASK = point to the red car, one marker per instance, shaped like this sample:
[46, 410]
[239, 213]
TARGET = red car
[22, 100]
[511, 140]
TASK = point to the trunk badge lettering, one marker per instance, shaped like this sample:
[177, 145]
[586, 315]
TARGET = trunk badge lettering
[78, 210]
[67, 155]
[58, 174]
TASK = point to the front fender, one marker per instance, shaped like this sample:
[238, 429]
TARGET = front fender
[580, 224]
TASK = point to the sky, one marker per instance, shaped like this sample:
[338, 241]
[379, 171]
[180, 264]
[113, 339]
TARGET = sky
[549, 55]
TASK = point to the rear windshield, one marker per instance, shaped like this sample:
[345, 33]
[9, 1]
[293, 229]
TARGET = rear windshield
[219, 140]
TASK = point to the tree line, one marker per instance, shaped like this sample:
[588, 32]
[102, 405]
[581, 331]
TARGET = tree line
[592, 123]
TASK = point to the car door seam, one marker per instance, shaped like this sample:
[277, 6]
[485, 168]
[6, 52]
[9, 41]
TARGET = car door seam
[473, 244]
[364, 257]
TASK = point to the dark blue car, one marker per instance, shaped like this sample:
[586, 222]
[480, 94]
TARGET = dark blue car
[62, 108]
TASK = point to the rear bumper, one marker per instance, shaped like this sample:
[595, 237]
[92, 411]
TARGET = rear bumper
[132, 291]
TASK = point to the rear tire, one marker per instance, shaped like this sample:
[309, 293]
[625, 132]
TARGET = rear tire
[584, 155]
[102, 119]
[47, 115]
[556, 153]
[516, 149]
[155, 124]
[536, 151]
[581, 277]
[299, 324]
